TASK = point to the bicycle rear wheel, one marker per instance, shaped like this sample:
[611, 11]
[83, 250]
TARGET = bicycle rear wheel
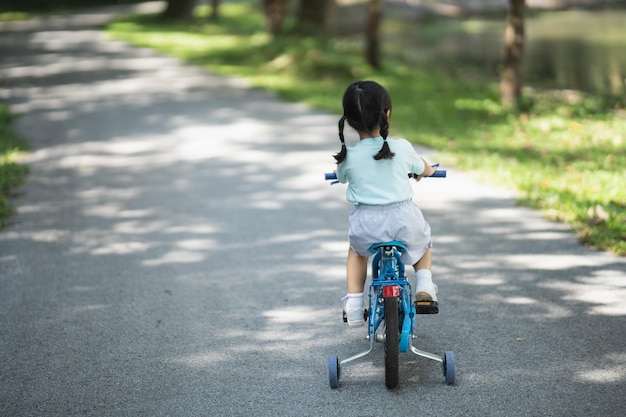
[392, 342]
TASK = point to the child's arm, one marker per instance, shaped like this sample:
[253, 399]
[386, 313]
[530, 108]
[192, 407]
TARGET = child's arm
[428, 171]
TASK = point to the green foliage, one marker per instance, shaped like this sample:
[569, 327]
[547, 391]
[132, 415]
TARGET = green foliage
[563, 151]
[22, 9]
[45, 6]
[11, 174]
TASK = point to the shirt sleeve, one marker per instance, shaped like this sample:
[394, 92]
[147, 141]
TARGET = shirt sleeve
[415, 163]
[341, 173]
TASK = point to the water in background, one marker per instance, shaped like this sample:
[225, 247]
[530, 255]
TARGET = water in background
[583, 50]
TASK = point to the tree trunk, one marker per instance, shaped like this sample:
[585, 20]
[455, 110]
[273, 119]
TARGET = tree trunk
[511, 77]
[314, 16]
[215, 5]
[275, 12]
[179, 9]
[372, 33]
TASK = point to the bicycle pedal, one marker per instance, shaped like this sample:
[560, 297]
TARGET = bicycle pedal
[427, 307]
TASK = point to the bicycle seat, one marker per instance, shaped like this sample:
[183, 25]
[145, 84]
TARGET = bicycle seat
[401, 247]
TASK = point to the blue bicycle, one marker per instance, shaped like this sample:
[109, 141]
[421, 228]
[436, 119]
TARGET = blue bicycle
[391, 314]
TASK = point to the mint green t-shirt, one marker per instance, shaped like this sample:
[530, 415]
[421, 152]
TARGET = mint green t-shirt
[379, 182]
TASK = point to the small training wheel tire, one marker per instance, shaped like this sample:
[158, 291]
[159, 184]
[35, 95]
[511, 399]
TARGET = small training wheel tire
[333, 371]
[449, 367]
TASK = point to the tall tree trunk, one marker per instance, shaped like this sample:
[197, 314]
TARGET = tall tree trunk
[372, 33]
[314, 16]
[511, 77]
[275, 12]
[179, 9]
[215, 5]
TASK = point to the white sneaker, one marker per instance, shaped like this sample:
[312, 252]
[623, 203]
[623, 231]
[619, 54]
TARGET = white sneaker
[355, 318]
[425, 290]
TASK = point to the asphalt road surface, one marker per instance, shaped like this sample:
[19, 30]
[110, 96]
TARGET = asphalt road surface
[178, 253]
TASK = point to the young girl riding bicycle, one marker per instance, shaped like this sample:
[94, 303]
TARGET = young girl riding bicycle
[376, 171]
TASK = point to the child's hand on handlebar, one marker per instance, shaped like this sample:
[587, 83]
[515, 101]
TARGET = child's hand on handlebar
[428, 171]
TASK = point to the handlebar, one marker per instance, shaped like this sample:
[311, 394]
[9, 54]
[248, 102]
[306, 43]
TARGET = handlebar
[440, 173]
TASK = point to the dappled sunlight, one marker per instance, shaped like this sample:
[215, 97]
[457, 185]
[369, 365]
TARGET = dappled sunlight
[137, 227]
[197, 244]
[606, 292]
[485, 281]
[474, 263]
[540, 235]
[192, 229]
[97, 193]
[116, 211]
[294, 315]
[176, 256]
[448, 239]
[280, 331]
[176, 223]
[121, 248]
[295, 237]
[201, 359]
[91, 307]
[551, 262]
[335, 246]
[48, 236]
[613, 370]
[520, 300]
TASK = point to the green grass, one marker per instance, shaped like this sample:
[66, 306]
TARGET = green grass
[11, 173]
[565, 152]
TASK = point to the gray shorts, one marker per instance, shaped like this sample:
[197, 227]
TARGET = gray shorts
[401, 221]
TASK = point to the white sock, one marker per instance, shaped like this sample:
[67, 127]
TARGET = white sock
[354, 301]
[423, 277]
[424, 274]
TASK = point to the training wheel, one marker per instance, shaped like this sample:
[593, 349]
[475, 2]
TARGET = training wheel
[333, 371]
[449, 368]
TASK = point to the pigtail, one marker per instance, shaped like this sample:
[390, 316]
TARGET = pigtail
[385, 150]
[341, 156]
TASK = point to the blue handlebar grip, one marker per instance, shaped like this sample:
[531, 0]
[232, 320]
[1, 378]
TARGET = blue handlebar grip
[330, 176]
[440, 173]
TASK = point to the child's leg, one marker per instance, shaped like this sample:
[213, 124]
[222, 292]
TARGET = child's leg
[356, 272]
[425, 290]
[425, 262]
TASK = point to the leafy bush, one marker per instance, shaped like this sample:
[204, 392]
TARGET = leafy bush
[11, 173]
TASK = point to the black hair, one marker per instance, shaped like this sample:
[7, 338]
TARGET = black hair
[365, 106]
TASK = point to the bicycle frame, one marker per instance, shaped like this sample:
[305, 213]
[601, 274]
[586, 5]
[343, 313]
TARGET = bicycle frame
[388, 280]
[390, 287]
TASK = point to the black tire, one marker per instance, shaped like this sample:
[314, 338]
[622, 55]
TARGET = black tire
[392, 342]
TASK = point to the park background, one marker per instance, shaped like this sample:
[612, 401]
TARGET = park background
[559, 144]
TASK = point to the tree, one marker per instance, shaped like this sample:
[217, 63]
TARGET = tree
[511, 77]
[215, 4]
[275, 12]
[314, 16]
[372, 33]
[179, 9]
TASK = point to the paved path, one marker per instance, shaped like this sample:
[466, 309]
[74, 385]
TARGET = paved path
[177, 253]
